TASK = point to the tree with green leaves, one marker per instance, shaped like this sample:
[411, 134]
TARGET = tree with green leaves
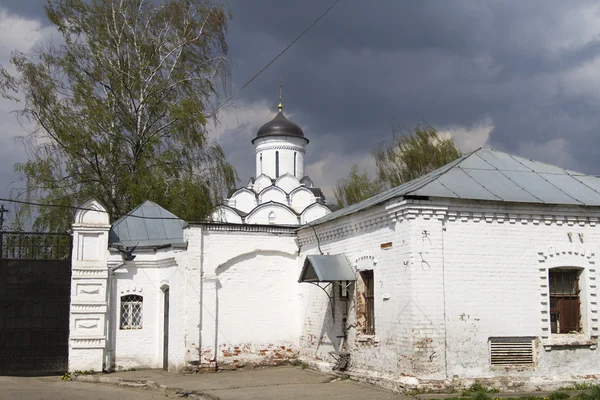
[409, 156]
[356, 187]
[413, 154]
[119, 108]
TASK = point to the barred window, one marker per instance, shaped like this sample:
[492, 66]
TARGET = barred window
[565, 304]
[368, 298]
[131, 311]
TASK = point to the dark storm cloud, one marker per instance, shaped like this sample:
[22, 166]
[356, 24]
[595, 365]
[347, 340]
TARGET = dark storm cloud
[526, 66]
[448, 63]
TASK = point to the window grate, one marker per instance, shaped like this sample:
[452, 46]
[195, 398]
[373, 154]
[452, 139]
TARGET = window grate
[369, 299]
[511, 351]
[131, 311]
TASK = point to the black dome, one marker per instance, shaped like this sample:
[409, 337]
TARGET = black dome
[280, 126]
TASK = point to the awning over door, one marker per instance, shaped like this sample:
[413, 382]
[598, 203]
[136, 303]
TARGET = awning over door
[329, 268]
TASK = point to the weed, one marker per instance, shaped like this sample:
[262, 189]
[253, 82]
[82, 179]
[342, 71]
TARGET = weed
[66, 376]
[297, 363]
[577, 386]
[478, 388]
[558, 396]
[592, 394]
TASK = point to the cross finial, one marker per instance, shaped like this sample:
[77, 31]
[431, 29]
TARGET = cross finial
[280, 93]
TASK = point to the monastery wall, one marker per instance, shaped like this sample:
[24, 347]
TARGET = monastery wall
[249, 294]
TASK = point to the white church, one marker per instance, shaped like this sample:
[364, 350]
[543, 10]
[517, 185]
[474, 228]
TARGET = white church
[484, 269]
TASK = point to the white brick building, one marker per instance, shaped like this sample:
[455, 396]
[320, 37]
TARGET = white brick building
[484, 269]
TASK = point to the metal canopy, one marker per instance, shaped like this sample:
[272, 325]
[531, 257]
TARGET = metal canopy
[327, 268]
[148, 225]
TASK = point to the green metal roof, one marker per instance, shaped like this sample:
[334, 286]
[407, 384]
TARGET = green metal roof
[488, 174]
[147, 225]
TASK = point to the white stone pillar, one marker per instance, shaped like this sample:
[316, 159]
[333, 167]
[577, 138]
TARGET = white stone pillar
[87, 337]
[210, 322]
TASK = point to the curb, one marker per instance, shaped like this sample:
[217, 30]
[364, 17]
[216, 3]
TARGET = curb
[151, 385]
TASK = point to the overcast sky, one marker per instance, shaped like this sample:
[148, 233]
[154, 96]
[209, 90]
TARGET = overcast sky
[519, 76]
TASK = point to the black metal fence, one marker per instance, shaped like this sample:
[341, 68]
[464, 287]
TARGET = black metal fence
[35, 246]
[35, 287]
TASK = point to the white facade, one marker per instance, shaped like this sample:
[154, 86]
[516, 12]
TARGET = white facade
[450, 278]
[461, 289]
[277, 156]
[281, 194]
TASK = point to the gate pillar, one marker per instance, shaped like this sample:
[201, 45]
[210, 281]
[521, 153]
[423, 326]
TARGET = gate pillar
[88, 313]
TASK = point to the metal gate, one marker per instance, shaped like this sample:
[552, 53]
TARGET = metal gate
[35, 292]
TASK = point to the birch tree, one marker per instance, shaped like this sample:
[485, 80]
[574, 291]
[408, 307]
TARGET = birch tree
[410, 155]
[119, 107]
[413, 154]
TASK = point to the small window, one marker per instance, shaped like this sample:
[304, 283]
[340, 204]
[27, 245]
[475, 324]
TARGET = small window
[294, 163]
[367, 307]
[276, 164]
[131, 311]
[261, 169]
[565, 305]
[272, 218]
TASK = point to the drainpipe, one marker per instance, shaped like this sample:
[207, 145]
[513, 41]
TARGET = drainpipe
[110, 321]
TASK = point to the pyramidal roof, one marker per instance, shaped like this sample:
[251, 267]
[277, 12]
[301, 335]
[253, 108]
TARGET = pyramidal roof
[487, 174]
[147, 225]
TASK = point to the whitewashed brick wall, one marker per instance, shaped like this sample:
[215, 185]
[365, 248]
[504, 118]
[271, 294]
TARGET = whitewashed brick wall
[457, 274]
[249, 297]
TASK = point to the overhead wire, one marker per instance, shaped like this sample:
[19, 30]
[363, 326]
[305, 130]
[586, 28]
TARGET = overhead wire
[32, 203]
[276, 57]
[216, 110]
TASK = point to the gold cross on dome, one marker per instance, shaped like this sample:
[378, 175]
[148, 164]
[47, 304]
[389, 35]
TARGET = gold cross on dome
[280, 93]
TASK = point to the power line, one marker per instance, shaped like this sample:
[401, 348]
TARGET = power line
[31, 203]
[276, 57]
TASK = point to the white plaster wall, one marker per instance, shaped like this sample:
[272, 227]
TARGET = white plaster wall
[286, 146]
[359, 238]
[283, 216]
[88, 310]
[244, 200]
[273, 193]
[456, 275]
[287, 183]
[261, 182]
[494, 286]
[138, 348]
[249, 297]
[314, 212]
[301, 198]
[223, 214]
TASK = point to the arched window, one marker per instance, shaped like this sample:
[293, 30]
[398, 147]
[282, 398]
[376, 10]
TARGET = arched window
[261, 170]
[294, 163]
[131, 311]
[272, 217]
[276, 164]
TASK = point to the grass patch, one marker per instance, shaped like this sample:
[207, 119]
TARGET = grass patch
[479, 392]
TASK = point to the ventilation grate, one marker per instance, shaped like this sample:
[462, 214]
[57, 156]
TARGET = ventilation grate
[511, 350]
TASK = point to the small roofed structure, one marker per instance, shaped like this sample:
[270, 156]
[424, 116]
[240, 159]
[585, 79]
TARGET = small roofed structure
[148, 226]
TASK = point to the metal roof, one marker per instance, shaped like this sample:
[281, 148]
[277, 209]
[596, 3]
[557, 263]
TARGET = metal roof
[326, 268]
[147, 225]
[488, 174]
[280, 126]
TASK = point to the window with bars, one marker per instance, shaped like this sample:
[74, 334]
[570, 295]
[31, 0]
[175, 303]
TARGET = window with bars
[131, 311]
[276, 164]
[565, 304]
[368, 297]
